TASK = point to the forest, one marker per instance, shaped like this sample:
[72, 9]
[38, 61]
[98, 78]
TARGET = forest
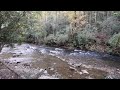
[94, 31]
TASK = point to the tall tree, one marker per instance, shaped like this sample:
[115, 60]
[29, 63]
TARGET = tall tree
[9, 23]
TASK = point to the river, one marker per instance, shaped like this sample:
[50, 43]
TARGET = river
[41, 62]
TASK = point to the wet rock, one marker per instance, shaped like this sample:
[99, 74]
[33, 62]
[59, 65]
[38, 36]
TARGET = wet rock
[84, 71]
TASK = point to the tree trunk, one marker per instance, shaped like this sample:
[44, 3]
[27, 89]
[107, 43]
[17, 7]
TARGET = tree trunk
[1, 46]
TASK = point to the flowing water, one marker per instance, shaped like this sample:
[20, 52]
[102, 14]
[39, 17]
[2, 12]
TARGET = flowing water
[41, 62]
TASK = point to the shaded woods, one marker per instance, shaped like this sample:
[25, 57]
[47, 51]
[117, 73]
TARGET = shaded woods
[86, 30]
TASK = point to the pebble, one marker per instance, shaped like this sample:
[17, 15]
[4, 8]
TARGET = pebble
[72, 69]
[41, 70]
[54, 63]
[80, 73]
[45, 71]
[70, 76]
[84, 72]
[51, 68]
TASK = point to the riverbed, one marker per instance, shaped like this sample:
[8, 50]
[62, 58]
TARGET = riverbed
[31, 61]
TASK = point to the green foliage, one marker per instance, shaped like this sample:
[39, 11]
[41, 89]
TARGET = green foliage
[62, 39]
[56, 29]
[20, 39]
[10, 21]
[50, 40]
[115, 40]
[111, 26]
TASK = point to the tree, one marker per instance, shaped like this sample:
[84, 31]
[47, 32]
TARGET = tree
[9, 23]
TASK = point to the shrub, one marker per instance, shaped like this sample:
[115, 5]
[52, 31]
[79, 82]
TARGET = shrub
[62, 39]
[84, 41]
[115, 40]
[20, 39]
[50, 40]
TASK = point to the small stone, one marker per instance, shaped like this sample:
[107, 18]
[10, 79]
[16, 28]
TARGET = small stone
[15, 66]
[54, 63]
[80, 73]
[51, 69]
[78, 65]
[70, 76]
[41, 70]
[45, 71]
[72, 69]
[84, 72]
